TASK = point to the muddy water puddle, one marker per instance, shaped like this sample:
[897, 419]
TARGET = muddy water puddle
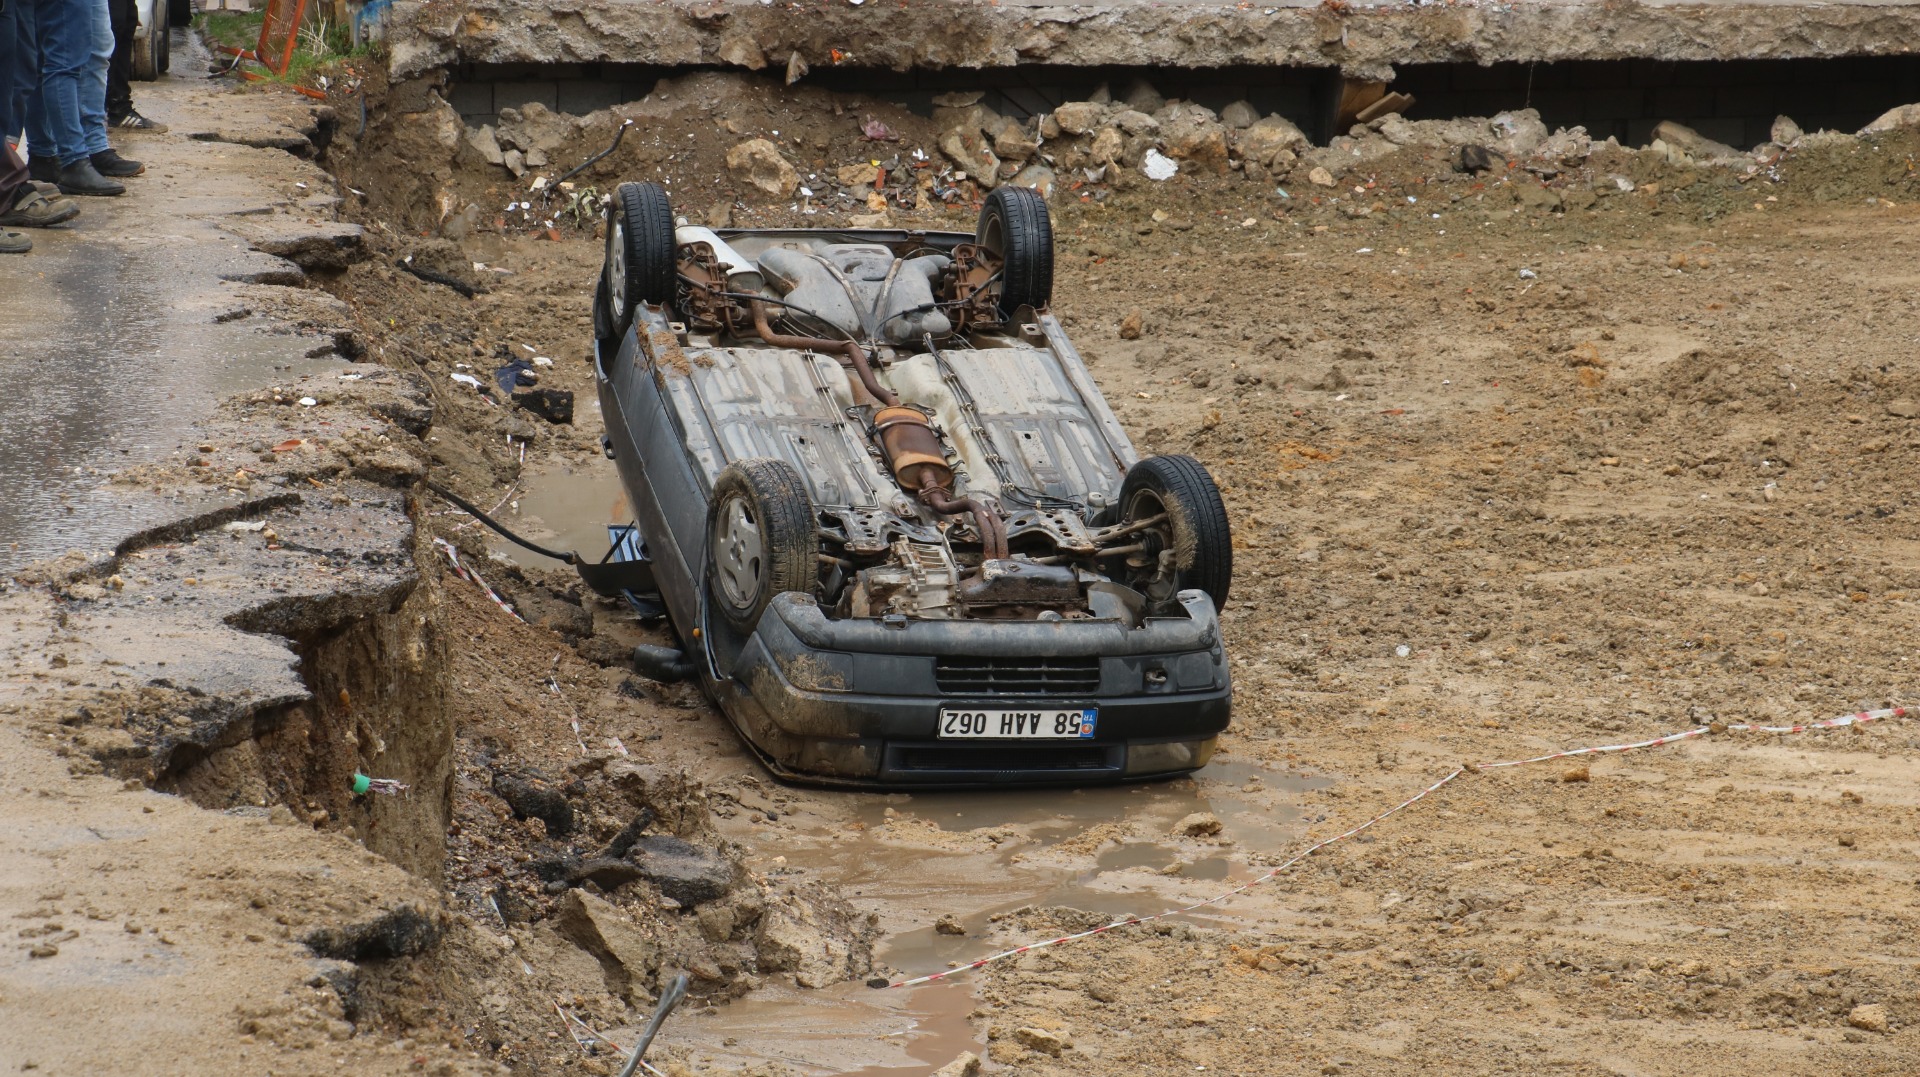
[564, 505]
[974, 857]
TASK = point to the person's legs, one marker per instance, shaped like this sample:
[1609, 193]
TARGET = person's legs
[43, 33]
[68, 60]
[10, 121]
[125, 21]
[93, 86]
[13, 177]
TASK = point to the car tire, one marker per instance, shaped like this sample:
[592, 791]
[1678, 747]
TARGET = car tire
[1014, 225]
[148, 55]
[1196, 528]
[642, 257]
[761, 539]
[164, 10]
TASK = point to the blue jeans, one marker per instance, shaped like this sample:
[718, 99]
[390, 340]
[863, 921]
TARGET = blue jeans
[19, 71]
[66, 117]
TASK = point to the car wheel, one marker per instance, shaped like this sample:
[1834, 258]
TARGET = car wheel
[1014, 225]
[642, 257]
[761, 539]
[1195, 528]
[146, 56]
[163, 10]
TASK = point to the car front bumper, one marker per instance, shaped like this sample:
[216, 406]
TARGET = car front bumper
[858, 702]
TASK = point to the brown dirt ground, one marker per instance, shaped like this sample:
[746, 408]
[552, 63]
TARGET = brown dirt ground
[1661, 479]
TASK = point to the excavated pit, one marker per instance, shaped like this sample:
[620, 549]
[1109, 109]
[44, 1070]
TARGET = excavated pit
[481, 127]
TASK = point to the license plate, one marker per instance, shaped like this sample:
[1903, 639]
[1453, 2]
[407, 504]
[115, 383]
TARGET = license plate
[999, 723]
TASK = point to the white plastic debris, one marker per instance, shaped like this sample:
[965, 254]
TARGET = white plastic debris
[541, 360]
[307, 402]
[246, 525]
[1158, 166]
[1528, 274]
[466, 379]
[1403, 650]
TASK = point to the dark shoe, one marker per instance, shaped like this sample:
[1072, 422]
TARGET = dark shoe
[43, 169]
[133, 121]
[110, 163]
[81, 177]
[35, 210]
[14, 243]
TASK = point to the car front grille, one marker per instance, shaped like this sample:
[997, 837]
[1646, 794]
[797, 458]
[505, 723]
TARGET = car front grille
[1021, 676]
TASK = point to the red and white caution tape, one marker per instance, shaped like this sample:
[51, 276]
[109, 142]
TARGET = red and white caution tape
[1860, 719]
[553, 685]
[465, 573]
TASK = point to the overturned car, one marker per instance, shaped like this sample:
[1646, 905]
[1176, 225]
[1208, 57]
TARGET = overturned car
[899, 533]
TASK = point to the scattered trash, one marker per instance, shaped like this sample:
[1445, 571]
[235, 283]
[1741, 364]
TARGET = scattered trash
[362, 785]
[289, 445]
[246, 525]
[541, 360]
[466, 379]
[1528, 274]
[1402, 651]
[434, 276]
[1157, 166]
[874, 130]
[307, 402]
[516, 374]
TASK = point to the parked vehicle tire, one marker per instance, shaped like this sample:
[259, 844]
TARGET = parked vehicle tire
[642, 257]
[150, 51]
[761, 539]
[1014, 225]
[1196, 526]
[166, 33]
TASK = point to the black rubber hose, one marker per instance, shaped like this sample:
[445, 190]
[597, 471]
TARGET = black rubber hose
[470, 509]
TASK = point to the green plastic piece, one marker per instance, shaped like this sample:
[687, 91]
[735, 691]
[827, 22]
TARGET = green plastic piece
[361, 783]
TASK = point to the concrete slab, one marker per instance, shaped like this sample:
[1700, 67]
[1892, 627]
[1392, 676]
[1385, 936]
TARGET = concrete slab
[1360, 39]
[129, 323]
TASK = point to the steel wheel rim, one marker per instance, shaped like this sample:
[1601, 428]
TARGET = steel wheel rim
[739, 554]
[617, 269]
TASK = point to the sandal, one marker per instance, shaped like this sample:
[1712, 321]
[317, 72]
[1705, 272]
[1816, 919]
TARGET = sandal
[14, 243]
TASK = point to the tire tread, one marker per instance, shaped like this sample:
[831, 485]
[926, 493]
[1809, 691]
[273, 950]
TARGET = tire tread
[1027, 263]
[1181, 479]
